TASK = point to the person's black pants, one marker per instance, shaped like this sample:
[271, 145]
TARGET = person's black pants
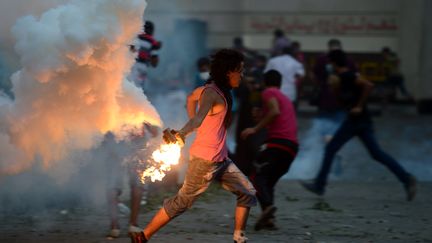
[271, 165]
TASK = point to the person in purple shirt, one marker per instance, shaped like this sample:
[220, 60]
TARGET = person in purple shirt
[280, 42]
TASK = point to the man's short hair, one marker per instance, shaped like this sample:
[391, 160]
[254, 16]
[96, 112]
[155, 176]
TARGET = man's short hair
[338, 57]
[288, 50]
[272, 78]
[334, 44]
[203, 61]
[386, 49]
[278, 33]
[295, 44]
[261, 58]
[149, 27]
[238, 42]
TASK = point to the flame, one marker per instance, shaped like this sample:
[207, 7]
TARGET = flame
[161, 161]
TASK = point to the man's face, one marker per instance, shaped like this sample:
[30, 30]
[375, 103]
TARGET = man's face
[260, 63]
[204, 68]
[334, 47]
[236, 76]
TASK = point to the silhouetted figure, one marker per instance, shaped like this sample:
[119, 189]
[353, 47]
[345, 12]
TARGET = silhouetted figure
[353, 92]
[249, 99]
[330, 112]
[117, 156]
[394, 76]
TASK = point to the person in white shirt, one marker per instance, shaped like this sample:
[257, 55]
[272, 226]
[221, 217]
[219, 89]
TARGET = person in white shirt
[290, 69]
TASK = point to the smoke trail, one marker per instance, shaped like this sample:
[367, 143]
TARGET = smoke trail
[311, 150]
[70, 87]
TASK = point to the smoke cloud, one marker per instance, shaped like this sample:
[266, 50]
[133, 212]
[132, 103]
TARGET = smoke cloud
[70, 88]
[12, 10]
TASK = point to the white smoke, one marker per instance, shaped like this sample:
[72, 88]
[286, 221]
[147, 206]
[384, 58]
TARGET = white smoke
[70, 88]
[310, 154]
[11, 10]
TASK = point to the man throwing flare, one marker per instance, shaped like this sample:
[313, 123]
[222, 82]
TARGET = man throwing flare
[209, 153]
[173, 136]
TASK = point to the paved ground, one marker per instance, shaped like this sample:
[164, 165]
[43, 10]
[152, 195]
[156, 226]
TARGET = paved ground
[349, 212]
[364, 203]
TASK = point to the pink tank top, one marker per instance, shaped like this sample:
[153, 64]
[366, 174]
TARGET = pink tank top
[210, 139]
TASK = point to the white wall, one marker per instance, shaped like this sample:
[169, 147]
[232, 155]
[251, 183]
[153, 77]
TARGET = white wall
[424, 84]
[410, 39]
[229, 18]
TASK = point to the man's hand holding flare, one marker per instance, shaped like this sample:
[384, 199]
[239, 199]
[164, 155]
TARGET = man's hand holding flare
[173, 136]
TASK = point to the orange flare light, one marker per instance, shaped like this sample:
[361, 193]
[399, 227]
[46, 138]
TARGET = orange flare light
[161, 161]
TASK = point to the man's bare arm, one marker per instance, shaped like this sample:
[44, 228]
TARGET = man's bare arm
[273, 112]
[207, 100]
[192, 101]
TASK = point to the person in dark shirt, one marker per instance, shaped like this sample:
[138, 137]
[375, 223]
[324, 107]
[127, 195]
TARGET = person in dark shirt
[330, 113]
[353, 91]
[249, 100]
[326, 100]
[394, 76]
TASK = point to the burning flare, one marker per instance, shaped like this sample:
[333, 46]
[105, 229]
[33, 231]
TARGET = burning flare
[161, 161]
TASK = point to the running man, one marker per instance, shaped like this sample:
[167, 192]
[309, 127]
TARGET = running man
[353, 92]
[280, 147]
[209, 153]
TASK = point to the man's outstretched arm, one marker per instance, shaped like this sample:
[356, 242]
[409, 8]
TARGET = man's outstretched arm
[273, 112]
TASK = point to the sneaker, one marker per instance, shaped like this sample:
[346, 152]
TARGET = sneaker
[269, 225]
[137, 237]
[411, 188]
[133, 228]
[267, 214]
[312, 187]
[240, 239]
[113, 233]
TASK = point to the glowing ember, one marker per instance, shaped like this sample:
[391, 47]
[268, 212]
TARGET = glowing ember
[161, 161]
